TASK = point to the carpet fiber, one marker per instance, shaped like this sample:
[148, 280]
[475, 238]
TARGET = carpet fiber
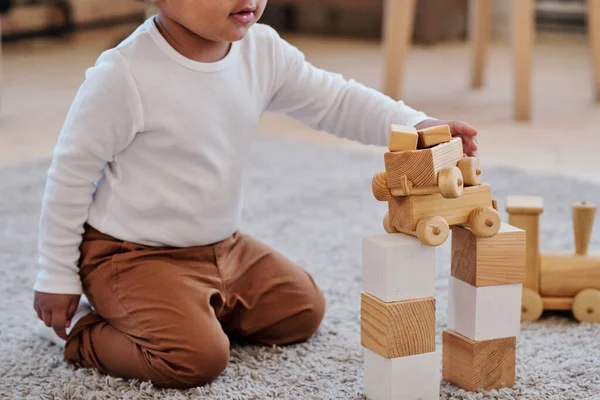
[314, 204]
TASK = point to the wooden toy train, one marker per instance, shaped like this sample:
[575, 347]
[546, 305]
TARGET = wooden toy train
[430, 185]
[558, 281]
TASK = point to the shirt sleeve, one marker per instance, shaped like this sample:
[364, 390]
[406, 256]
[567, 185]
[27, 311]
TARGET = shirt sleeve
[326, 101]
[103, 120]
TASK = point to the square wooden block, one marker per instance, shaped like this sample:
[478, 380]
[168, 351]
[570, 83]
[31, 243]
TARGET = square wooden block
[403, 138]
[407, 378]
[484, 313]
[421, 167]
[398, 267]
[399, 328]
[476, 366]
[498, 260]
[433, 136]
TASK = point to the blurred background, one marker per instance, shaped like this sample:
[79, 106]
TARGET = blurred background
[48, 44]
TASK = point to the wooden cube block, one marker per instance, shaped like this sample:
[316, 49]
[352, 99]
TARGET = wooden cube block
[403, 138]
[398, 267]
[406, 212]
[435, 135]
[399, 328]
[421, 167]
[408, 378]
[498, 260]
[484, 313]
[482, 365]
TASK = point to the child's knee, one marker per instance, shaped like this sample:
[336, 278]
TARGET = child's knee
[198, 363]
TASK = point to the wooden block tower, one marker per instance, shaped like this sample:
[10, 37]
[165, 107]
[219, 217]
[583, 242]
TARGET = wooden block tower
[430, 186]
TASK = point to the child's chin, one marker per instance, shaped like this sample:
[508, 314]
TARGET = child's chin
[237, 33]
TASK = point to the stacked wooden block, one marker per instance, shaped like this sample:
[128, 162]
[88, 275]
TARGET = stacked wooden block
[484, 308]
[398, 319]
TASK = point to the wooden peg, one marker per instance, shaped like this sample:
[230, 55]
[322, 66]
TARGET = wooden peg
[403, 138]
[380, 187]
[435, 135]
[469, 166]
[583, 222]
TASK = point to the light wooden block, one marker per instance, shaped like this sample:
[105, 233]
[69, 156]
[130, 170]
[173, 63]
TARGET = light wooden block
[482, 365]
[498, 260]
[433, 136]
[397, 329]
[421, 167]
[565, 274]
[406, 212]
[398, 267]
[407, 378]
[403, 138]
[484, 313]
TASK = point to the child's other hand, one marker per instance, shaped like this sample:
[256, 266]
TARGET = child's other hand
[56, 310]
[459, 129]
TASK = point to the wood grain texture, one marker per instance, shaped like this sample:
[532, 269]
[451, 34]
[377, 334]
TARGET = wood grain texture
[471, 170]
[482, 365]
[421, 167]
[397, 329]
[583, 222]
[434, 135]
[406, 212]
[498, 260]
[564, 274]
[524, 212]
[380, 187]
[557, 303]
[403, 138]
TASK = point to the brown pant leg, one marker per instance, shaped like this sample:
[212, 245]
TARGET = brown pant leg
[155, 313]
[269, 299]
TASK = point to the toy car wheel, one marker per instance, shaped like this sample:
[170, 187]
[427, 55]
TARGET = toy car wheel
[387, 225]
[469, 166]
[532, 305]
[484, 222]
[450, 182]
[433, 231]
[586, 305]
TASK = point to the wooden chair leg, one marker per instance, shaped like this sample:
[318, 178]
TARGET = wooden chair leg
[398, 23]
[480, 25]
[593, 17]
[523, 28]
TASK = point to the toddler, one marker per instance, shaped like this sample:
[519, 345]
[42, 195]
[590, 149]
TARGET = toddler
[143, 197]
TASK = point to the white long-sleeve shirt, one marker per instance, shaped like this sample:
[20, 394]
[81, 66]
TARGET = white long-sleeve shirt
[153, 148]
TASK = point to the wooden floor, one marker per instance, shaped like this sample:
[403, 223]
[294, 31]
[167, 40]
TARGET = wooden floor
[41, 77]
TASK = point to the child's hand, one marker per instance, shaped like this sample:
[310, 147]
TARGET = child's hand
[56, 310]
[459, 129]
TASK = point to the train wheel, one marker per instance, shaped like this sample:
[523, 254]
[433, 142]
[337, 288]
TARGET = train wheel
[586, 305]
[484, 222]
[387, 225]
[469, 166]
[433, 231]
[450, 182]
[532, 305]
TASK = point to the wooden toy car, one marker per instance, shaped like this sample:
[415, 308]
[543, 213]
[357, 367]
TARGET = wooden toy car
[558, 281]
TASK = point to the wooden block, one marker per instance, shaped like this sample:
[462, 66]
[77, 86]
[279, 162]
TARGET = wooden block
[498, 260]
[397, 329]
[524, 212]
[484, 313]
[557, 303]
[406, 212]
[565, 274]
[408, 378]
[398, 267]
[476, 366]
[435, 135]
[421, 167]
[403, 138]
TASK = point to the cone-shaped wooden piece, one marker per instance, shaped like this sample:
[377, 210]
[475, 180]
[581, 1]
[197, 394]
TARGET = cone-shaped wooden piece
[583, 221]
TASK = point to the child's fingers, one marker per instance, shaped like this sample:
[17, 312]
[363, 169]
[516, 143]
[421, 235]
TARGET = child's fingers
[463, 129]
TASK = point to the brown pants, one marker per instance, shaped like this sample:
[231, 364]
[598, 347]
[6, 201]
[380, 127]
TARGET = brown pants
[163, 313]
